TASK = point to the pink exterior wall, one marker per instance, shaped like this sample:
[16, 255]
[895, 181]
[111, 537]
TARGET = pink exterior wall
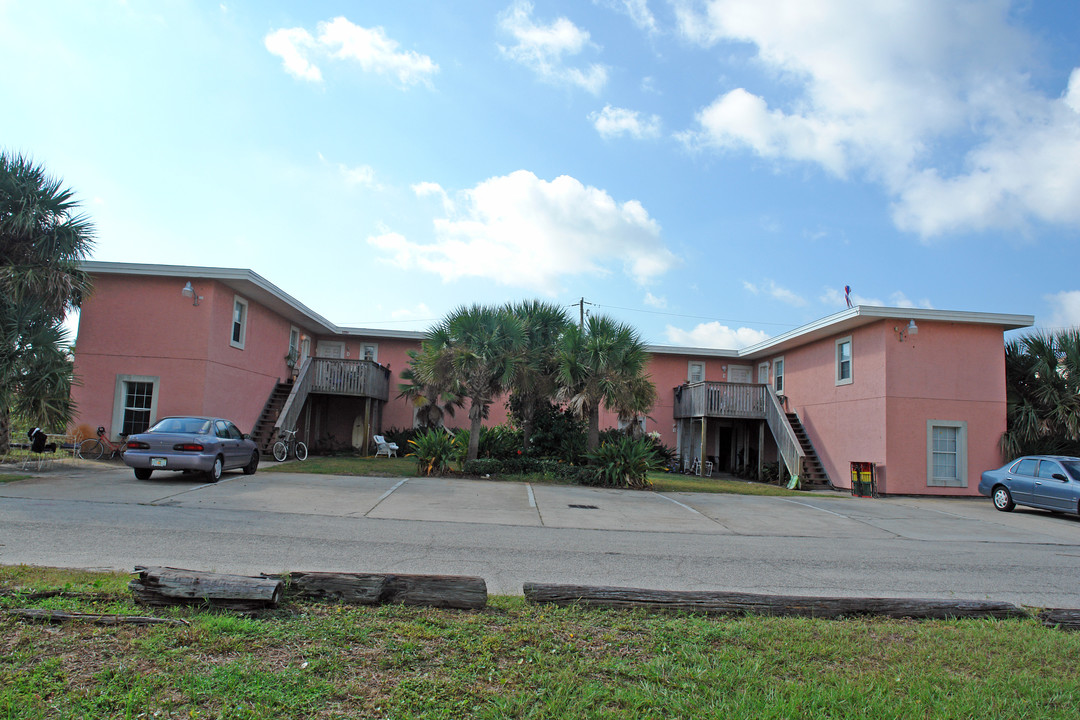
[951, 372]
[846, 423]
[142, 325]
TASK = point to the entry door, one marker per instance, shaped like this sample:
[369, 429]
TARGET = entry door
[740, 374]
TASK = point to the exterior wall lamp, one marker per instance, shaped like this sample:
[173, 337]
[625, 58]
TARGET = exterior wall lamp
[903, 333]
[189, 292]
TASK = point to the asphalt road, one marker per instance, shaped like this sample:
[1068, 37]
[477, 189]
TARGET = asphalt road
[89, 516]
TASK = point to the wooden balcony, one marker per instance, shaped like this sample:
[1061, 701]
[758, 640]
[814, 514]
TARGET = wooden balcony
[356, 378]
[721, 400]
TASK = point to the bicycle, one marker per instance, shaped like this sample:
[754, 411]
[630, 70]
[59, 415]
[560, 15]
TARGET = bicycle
[289, 444]
[94, 448]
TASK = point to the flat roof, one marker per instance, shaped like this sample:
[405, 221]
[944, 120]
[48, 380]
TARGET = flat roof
[254, 286]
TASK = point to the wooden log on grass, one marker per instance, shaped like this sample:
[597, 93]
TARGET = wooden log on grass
[732, 603]
[1061, 618]
[461, 592]
[58, 616]
[173, 586]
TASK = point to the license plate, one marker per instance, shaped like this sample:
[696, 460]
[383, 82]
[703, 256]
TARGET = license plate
[158, 462]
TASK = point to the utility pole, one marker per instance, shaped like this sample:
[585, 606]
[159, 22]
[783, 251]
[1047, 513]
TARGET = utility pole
[581, 312]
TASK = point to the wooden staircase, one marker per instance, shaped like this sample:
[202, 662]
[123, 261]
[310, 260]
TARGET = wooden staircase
[263, 433]
[813, 471]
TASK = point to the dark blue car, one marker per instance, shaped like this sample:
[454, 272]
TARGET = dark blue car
[1050, 482]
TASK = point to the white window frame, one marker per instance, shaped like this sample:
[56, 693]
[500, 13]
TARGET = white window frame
[690, 371]
[374, 351]
[120, 393]
[778, 375]
[242, 303]
[764, 374]
[839, 366]
[294, 341]
[961, 454]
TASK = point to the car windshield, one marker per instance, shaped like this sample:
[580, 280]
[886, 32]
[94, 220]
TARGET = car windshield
[192, 426]
[1072, 467]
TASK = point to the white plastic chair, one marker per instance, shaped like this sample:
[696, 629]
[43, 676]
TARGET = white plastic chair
[388, 449]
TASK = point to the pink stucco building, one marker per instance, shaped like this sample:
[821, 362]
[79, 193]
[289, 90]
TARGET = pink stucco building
[919, 394]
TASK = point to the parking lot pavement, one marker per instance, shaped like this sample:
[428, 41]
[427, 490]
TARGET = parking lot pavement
[837, 517]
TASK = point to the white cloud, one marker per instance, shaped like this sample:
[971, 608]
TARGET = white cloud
[775, 291]
[521, 231]
[715, 335]
[340, 39]
[612, 122]
[541, 48]
[360, 175]
[428, 189]
[899, 92]
[654, 301]
[639, 13]
[292, 46]
[1064, 309]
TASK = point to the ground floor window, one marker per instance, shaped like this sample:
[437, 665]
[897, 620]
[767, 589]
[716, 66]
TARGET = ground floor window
[135, 404]
[946, 453]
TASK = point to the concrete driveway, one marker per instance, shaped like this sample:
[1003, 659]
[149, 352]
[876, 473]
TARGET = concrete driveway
[809, 544]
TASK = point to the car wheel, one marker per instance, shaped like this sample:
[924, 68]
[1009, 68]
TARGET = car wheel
[1003, 499]
[142, 473]
[215, 472]
[252, 466]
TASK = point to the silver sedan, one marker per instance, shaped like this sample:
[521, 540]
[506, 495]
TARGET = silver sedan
[192, 444]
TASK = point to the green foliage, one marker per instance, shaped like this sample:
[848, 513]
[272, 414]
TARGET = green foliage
[1042, 390]
[401, 436]
[434, 449]
[625, 462]
[42, 241]
[603, 362]
[556, 431]
[517, 660]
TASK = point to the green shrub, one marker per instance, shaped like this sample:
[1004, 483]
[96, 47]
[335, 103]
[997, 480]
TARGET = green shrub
[400, 436]
[625, 462]
[434, 450]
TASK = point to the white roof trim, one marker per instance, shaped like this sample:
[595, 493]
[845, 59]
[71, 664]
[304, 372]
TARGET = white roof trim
[835, 324]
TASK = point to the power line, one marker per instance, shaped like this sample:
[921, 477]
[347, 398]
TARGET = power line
[695, 317]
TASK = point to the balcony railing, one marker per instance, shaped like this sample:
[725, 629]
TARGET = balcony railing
[362, 378]
[357, 378]
[720, 399]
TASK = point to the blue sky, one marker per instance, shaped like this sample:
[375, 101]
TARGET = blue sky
[713, 172]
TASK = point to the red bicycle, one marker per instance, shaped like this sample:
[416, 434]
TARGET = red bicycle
[95, 448]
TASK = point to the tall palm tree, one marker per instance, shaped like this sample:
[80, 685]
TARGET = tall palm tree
[604, 361]
[535, 382]
[476, 351]
[42, 241]
[432, 402]
[1042, 384]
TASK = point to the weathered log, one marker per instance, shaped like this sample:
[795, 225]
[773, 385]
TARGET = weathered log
[444, 591]
[174, 586]
[1061, 618]
[732, 603]
[56, 616]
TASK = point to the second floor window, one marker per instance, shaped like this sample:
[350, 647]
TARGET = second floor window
[695, 372]
[239, 323]
[843, 361]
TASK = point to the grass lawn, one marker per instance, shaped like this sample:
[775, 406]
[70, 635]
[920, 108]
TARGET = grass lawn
[6, 478]
[406, 467]
[514, 660]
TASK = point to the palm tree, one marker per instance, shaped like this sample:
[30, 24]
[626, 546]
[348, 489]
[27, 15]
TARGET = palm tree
[604, 361]
[535, 382]
[42, 242]
[476, 351]
[433, 403]
[1042, 385]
